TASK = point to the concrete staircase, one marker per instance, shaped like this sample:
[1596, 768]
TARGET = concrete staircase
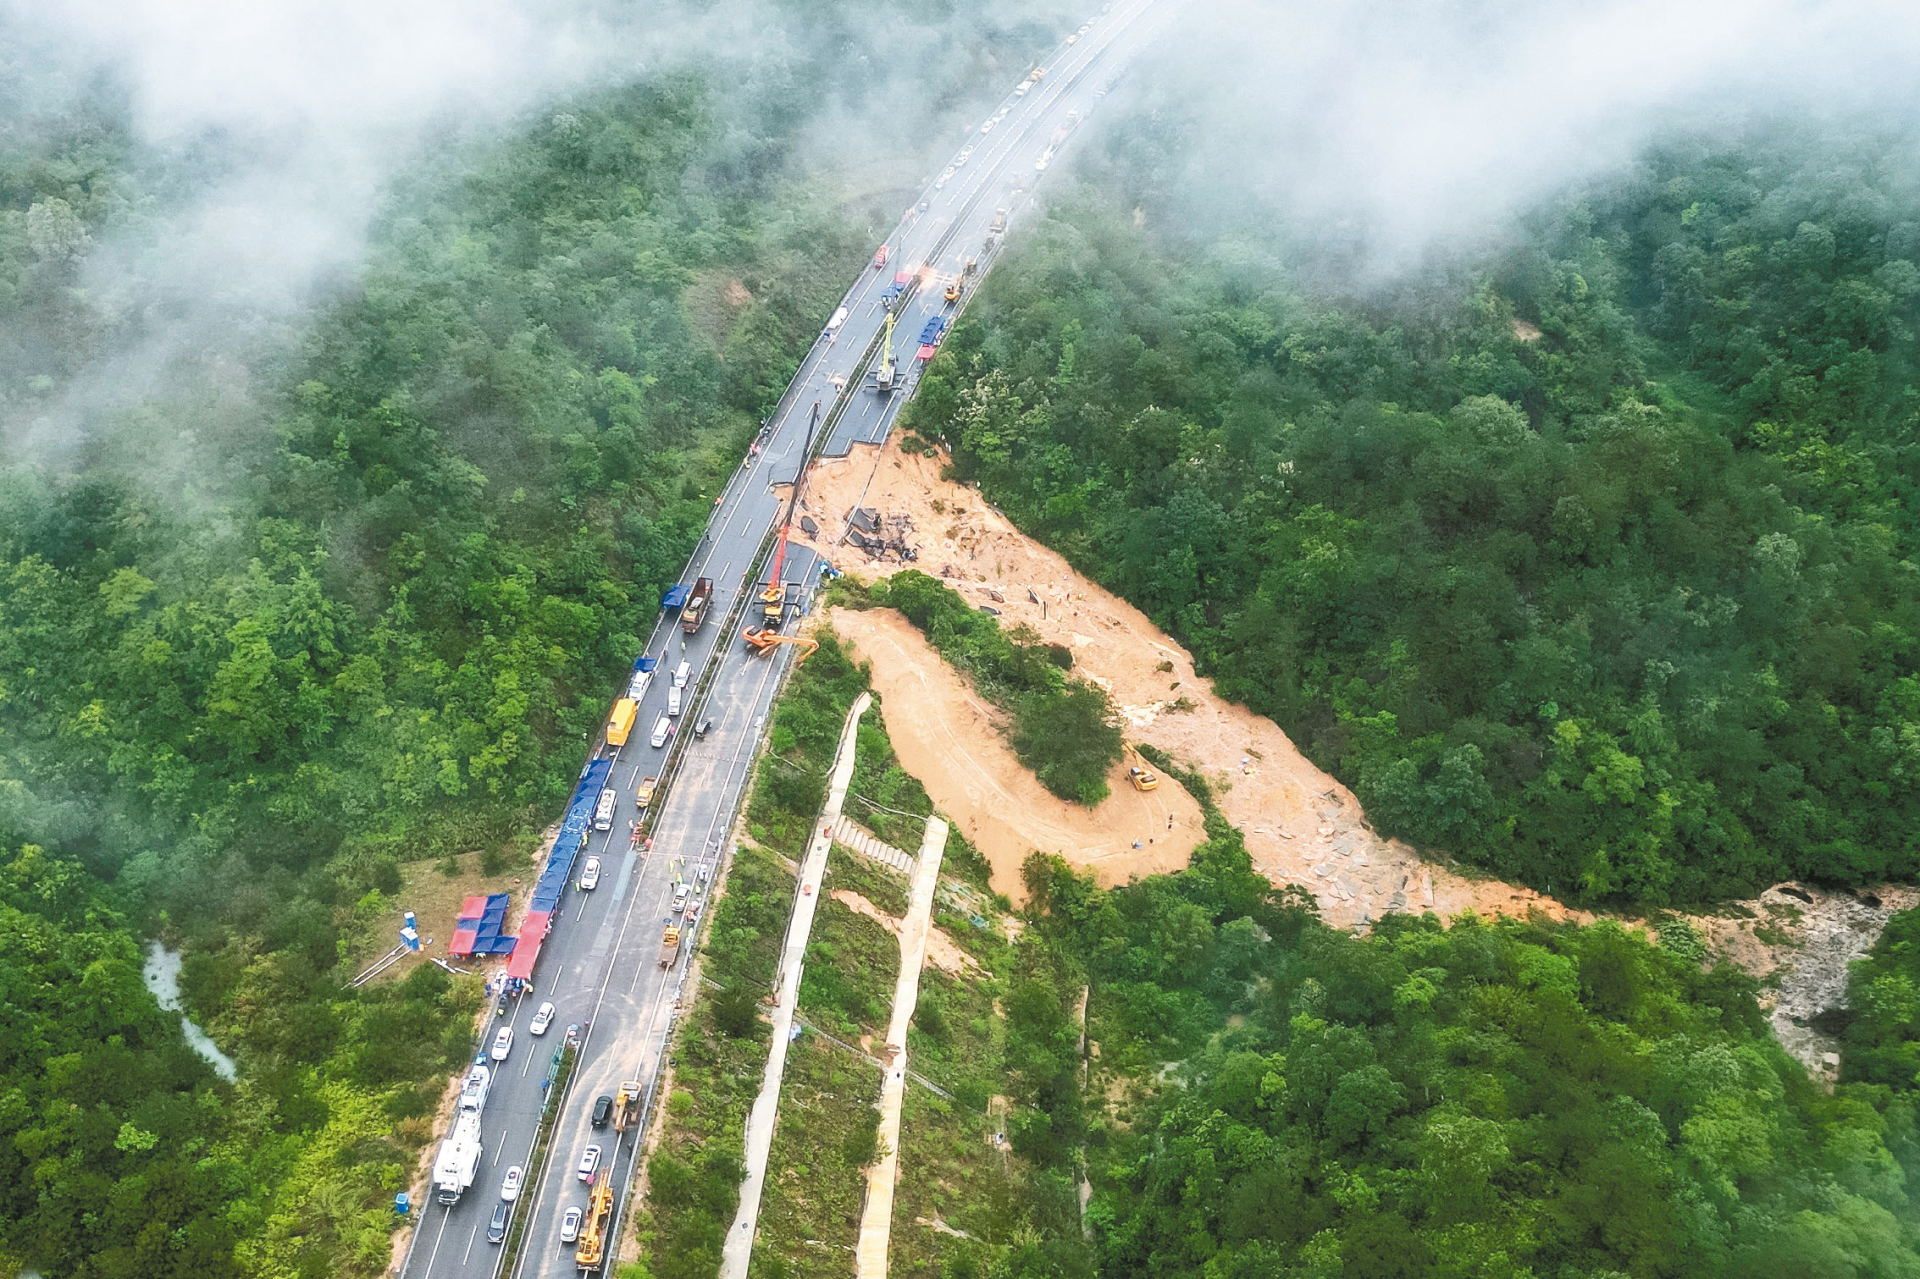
[846, 832]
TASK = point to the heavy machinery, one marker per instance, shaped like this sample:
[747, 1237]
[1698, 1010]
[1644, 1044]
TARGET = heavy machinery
[644, 795]
[626, 1104]
[593, 1234]
[774, 599]
[1142, 777]
[886, 378]
[765, 641]
[670, 945]
[952, 294]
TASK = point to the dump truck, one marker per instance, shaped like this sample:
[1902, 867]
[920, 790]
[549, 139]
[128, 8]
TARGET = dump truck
[626, 1104]
[644, 796]
[670, 945]
[695, 612]
[593, 1234]
[620, 724]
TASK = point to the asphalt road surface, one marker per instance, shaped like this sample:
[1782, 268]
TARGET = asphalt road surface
[600, 964]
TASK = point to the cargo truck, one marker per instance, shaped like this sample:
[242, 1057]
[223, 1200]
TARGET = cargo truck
[695, 612]
[644, 795]
[621, 724]
[670, 945]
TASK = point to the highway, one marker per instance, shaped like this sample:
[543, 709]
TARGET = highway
[599, 964]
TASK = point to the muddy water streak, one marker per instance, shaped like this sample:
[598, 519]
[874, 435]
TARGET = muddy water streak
[162, 975]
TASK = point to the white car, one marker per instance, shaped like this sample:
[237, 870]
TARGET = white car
[589, 1164]
[988, 126]
[570, 1224]
[542, 1019]
[502, 1043]
[510, 1188]
[590, 876]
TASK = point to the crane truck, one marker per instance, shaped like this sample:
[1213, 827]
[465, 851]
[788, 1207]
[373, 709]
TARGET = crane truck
[459, 1159]
[670, 946]
[777, 598]
[886, 378]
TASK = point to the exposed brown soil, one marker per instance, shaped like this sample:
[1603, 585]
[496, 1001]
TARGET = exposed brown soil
[954, 742]
[1302, 826]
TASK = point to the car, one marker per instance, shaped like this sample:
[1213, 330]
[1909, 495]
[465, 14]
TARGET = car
[570, 1224]
[590, 876]
[1074, 38]
[923, 206]
[680, 899]
[497, 1228]
[602, 1111]
[510, 1188]
[880, 257]
[988, 126]
[542, 1018]
[589, 1164]
[502, 1044]
[701, 729]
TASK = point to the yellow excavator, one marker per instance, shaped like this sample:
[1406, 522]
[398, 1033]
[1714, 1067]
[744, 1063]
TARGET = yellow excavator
[766, 641]
[1142, 777]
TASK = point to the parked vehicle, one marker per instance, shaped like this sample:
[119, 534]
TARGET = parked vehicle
[680, 895]
[682, 674]
[662, 729]
[603, 811]
[502, 1044]
[673, 699]
[602, 1111]
[590, 875]
[589, 1164]
[542, 1019]
[497, 1228]
[644, 796]
[670, 945]
[695, 612]
[621, 723]
[701, 729]
[570, 1224]
[510, 1188]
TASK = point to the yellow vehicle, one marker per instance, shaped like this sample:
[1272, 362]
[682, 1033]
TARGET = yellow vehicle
[1142, 777]
[644, 796]
[593, 1236]
[621, 724]
[764, 641]
[953, 293]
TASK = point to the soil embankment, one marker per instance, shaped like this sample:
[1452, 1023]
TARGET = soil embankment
[1302, 826]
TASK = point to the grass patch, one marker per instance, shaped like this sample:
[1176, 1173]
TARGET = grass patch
[810, 1204]
[880, 885]
[851, 967]
[791, 783]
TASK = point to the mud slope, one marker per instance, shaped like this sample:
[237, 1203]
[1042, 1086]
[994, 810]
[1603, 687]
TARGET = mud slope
[953, 742]
[1302, 826]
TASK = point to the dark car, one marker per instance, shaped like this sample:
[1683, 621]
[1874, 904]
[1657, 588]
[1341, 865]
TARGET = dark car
[602, 1111]
[497, 1228]
[701, 729]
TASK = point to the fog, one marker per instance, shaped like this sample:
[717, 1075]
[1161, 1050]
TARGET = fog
[267, 136]
[1404, 128]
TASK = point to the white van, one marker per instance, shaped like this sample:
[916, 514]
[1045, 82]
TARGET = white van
[603, 813]
[661, 727]
[681, 676]
[673, 700]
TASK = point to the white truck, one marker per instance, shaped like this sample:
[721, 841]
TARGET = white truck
[459, 1159]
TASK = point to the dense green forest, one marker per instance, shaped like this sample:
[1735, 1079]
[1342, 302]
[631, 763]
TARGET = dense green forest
[1486, 1099]
[259, 647]
[1589, 560]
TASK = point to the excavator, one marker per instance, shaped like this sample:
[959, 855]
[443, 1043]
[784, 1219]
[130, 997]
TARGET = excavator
[1142, 777]
[767, 641]
[773, 600]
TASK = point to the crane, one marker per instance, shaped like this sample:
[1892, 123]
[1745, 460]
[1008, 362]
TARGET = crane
[887, 377]
[767, 641]
[773, 600]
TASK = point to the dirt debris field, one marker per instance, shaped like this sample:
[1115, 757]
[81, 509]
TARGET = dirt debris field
[1302, 826]
[952, 741]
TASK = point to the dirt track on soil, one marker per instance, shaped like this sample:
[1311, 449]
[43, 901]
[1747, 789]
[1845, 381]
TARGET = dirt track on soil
[1302, 826]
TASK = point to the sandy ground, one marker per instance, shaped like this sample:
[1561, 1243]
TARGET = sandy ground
[953, 741]
[1302, 826]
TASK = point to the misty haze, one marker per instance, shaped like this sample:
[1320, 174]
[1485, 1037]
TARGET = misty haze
[786, 639]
